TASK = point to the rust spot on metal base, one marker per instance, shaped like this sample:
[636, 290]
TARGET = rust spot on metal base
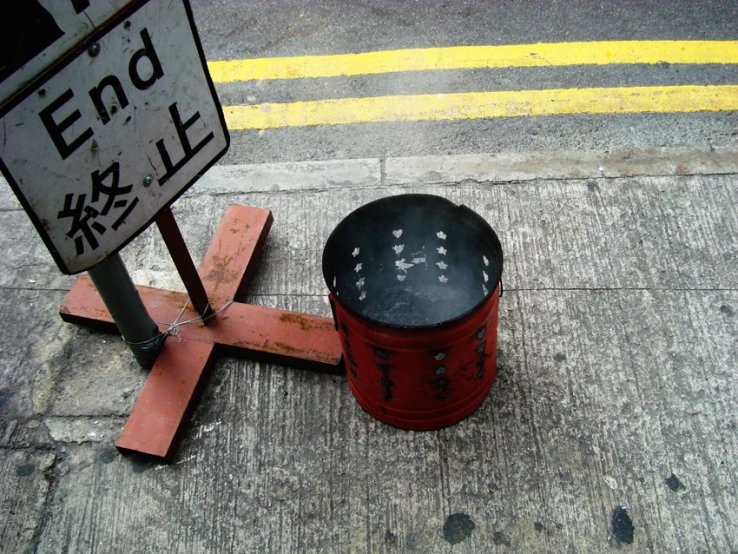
[234, 250]
[298, 319]
[220, 273]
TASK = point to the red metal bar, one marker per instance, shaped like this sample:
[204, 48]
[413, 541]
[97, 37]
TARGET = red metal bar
[280, 336]
[268, 334]
[167, 399]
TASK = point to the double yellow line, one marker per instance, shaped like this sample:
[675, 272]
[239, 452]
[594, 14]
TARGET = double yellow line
[424, 107]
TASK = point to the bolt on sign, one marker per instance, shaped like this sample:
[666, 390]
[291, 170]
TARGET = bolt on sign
[114, 131]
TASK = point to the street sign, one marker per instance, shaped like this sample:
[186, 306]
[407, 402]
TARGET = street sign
[113, 133]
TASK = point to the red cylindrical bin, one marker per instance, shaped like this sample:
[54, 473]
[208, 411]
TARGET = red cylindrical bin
[415, 283]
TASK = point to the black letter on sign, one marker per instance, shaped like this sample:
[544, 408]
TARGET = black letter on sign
[112, 191]
[148, 52]
[189, 151]
[55, 129]
[96, 95]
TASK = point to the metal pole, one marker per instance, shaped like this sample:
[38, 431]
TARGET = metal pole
[117, 290]
[183, 261]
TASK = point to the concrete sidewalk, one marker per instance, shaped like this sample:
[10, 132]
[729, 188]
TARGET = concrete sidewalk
[616, 383]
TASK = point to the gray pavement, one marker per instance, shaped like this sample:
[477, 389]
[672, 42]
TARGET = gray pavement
[616, 387]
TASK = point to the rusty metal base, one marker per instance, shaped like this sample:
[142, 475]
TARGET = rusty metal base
[278, 336]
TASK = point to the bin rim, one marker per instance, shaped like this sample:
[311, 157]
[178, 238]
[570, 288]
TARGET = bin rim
[465, 214]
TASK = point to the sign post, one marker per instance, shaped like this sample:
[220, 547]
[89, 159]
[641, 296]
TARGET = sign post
[100, 132]
[122, 124]
[123, 302]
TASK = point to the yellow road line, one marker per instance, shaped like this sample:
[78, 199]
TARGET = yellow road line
[470, 57]
[484, 105]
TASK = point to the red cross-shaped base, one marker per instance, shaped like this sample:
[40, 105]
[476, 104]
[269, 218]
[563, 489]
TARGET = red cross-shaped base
[267, 334]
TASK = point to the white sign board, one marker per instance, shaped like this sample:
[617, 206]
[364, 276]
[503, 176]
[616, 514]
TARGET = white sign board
[36, 33]
[113, 133]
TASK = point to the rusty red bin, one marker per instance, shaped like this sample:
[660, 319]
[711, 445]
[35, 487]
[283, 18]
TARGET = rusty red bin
[415, 282]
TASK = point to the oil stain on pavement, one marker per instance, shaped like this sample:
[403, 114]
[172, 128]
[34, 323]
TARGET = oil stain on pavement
[622, 525]
[674, 484]
[458, 528]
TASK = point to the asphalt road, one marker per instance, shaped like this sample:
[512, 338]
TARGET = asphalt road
[232, 29]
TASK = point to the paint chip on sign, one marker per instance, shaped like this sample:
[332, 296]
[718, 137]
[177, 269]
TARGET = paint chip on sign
[398, 248]
[356, 252]
[441, 250]
[397, 233]
[441, 235]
